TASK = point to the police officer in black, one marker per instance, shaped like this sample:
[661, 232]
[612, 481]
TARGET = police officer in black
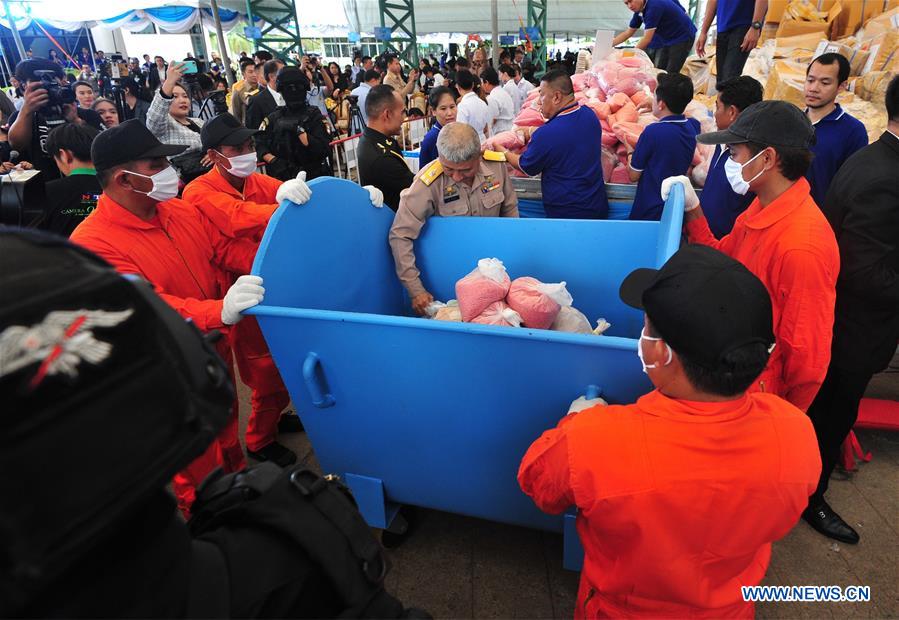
[381, 160]
[294, 137]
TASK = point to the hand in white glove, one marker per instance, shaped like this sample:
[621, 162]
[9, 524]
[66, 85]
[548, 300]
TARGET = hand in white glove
[582, 402]
[376, 196]
[691, 200]
[294, 190]
[245, 293]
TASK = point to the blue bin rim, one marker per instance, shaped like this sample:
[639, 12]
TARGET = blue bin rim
[605, 342]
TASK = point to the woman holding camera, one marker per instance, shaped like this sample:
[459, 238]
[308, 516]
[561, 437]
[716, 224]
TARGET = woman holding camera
[169, 119]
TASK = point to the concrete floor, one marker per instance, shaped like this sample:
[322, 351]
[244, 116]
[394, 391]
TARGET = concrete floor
[460, 567]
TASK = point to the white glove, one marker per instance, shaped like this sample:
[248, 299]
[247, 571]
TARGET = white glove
[294, 190]
[691, 200]
[376, 196]
[245, 293]
[582, 402]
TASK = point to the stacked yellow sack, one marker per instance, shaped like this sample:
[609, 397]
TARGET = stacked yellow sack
[786, 83]
[804, 17]
[872, 86]
[873, 117]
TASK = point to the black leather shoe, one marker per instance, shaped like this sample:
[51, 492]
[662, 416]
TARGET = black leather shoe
[290, 422]
[823, 519]
[276, 453]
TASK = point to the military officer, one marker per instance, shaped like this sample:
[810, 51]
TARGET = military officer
[381, 160]
[293, 137]
[460, 182]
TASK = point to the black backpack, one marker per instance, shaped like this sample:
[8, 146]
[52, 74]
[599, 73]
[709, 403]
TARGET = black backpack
[292, 544]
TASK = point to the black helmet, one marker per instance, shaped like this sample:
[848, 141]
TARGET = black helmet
[293, 85]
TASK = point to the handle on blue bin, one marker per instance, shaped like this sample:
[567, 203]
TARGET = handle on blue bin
[593, 391]
[312, 376]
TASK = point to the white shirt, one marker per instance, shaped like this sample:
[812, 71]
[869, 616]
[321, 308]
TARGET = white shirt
[525, 87]
[361, 92]
[279, 100]
[438, 80]
[515, 94]
[474, 112]
[502, 110]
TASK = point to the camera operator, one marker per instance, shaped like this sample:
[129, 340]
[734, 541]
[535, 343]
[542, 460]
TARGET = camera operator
[135, 105]
[294, 136]
[320, 83]
[49, 103]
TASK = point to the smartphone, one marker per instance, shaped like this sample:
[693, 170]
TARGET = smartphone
[190, 66]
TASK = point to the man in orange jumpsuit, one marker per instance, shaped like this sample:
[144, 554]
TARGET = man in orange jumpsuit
[141, 228]
[240, 202]
[783, 238]
[681, 494]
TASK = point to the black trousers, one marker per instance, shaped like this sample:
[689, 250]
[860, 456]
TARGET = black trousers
[833, 414]
[729, 58]
[671, 58]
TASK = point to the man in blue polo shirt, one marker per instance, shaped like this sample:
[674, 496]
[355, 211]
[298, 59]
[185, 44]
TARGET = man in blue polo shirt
[668, 32]
[838, 134]
[665, 148]
[739, 27]
[566, 152]
[724, 200]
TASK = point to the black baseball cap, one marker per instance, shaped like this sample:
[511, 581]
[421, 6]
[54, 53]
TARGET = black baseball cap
[129, 141]
[226, 130]
[703, 303]
[769, 123]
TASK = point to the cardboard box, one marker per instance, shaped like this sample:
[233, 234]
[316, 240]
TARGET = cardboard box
[786, 83]
[857, 56]
[883, 23]
[854, 14]
[883, 53]
[776, 10]
[792, 27]
[768, 32]
[873, 86]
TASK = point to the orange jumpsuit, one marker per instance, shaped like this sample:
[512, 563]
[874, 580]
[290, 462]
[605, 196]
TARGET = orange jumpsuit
[184, 256]
[678, 501]
[791, 248]
[245, 215]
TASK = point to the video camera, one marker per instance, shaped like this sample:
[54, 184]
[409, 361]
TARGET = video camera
[57, 94]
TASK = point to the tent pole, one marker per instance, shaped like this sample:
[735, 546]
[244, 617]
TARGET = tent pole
[14, 30]
[90, 43]
[494, 25]
[223, 47]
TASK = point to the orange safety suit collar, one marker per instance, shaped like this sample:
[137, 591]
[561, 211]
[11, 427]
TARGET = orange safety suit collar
[759, 217]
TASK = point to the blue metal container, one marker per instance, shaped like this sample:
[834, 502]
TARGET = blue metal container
[435, 414]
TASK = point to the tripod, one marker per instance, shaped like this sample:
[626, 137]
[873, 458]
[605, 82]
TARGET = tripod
[357, 123]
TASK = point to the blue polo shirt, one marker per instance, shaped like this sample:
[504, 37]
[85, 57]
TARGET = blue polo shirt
[732, 14]
[670, 20]
[720, 203]
[838, 135]
[566, 152]
[428, 152]
[665, 149]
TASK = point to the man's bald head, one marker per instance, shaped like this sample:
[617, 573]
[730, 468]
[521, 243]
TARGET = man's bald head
[458, 143]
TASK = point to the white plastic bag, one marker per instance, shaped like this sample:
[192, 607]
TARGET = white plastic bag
[571, 320]
[498, 313]
[449, 312]
[433, 308]
[537, 302]
[601, 326]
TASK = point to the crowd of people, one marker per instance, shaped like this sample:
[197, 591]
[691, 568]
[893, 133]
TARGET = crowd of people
[790, 276]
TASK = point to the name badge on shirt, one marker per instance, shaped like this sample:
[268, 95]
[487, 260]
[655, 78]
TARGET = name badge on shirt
[489, 185]
[450, 194]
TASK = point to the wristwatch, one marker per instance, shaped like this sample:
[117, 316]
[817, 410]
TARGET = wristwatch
[757, 25]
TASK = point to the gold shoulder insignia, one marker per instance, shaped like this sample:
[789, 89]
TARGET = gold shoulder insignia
[255, 91]
[494, 156]
[431, 172]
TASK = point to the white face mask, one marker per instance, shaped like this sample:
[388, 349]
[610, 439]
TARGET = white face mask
[242, 166]
[165, 184]
[646, 366]
[734, 173]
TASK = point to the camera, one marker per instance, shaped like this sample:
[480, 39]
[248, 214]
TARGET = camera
[57, 95]
[353, 99]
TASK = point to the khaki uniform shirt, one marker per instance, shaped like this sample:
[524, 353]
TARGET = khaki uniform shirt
[239, 95]
[395, 80]
[435, 193]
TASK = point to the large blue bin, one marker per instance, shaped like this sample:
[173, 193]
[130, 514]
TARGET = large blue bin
[435, 414]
